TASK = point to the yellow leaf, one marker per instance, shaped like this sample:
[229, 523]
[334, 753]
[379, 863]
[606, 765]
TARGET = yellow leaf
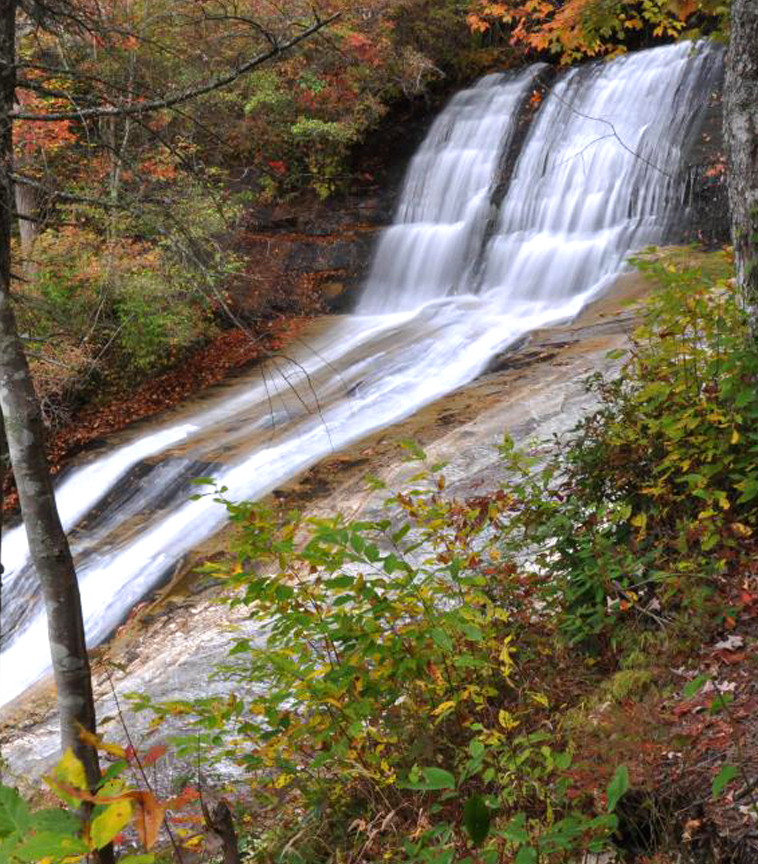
[506, 657]
[95, 741]
[640, 521]
[735, 436]
[506, 720]
[193, 841]
[105, 826]
[443, 708]
[71, 771]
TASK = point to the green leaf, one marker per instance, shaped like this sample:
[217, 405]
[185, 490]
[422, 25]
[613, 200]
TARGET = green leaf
[750, 490]
[526, 855]
[48, 844]
[445, 856]
[476, 748]
[472, 632]
[14, 812]
[138, 859]
[441, 639]
[119, 767]
[438, 778]
[725, 776]
[694, 686]
[340, 582]
[720, 703]
[434, 778]
[618, 787]
[56, 820]
[391, 563]
[515, 830]
[477, 819]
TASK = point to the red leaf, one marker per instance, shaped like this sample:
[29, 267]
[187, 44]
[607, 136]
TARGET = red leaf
[187, 796]
[153, 755]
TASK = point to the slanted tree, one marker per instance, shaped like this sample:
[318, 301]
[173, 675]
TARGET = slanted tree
[25, 433]
[741, 133]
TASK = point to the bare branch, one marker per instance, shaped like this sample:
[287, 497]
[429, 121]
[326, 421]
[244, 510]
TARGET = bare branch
[65, 196]
[184, 95]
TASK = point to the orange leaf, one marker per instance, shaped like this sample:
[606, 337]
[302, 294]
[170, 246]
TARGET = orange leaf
[149, 817]
[153, 755]
[95, 741]
[186, 797]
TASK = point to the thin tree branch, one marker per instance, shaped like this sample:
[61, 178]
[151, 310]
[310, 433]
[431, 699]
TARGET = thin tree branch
[182, 96]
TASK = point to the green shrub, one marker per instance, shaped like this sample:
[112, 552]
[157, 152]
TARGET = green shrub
[649, 500]
[387, 690]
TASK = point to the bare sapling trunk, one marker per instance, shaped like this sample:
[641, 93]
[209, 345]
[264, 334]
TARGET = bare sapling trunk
[741, 133]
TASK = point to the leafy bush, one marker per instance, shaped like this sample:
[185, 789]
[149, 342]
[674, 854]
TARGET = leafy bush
[402, 691]
[89, 820]
[390, 689]
[647, 504]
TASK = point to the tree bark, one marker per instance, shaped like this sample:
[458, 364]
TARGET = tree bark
[741, 134]
[26, 205]
[26, 448]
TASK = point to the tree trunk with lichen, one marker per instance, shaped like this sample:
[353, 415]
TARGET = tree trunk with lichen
[24, 430]
[741, 134]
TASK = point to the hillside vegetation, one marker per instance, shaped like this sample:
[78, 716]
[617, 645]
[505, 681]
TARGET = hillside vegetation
[561, 666]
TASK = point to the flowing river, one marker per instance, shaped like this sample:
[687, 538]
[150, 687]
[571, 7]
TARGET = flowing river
[455, 280]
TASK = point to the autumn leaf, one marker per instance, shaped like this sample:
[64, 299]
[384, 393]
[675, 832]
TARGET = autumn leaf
[153, 755]
[109, 823]
[150, 813]
[187, 796]
[95, 741]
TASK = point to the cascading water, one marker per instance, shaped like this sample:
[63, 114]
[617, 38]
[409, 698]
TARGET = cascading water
[445, 201]
[598, 176]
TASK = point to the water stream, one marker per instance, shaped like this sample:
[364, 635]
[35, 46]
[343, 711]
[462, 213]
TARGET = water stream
[452, 283]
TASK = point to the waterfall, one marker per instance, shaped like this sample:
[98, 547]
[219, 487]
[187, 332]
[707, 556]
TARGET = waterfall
[452, 283]
[445, 200]
[600, 174]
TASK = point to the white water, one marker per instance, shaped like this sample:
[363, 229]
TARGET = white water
[435, 310]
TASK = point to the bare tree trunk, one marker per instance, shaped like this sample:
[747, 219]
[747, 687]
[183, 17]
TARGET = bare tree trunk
[741, 133]
[24, 430]
[26, 205]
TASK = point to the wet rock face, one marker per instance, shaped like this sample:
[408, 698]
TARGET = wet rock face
[308, 255]
[309, 261]
[707, 220]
